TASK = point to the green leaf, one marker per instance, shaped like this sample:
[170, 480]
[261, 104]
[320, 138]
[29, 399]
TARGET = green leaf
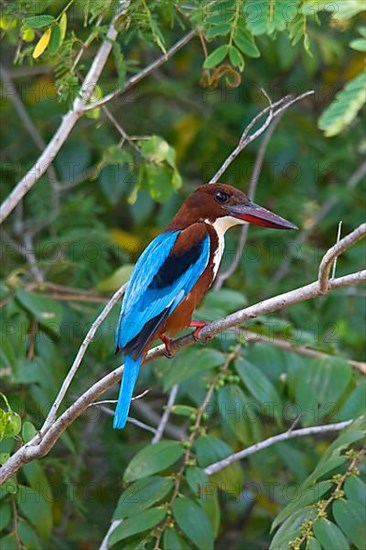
[355, 405]
[5, 515]
[63, 26]
[244, 40]
[351, 518]
[157, 150]
[358, 44]
[39, 21]
[216, 57]
[141, 495]
[344, 108]
[194, 523]
[46, 311]
[210, 449]
[355, 489]
[120, 65]
[267, 16]
[313, 544]
[160, 180]
[153, 459]
[116, 280]
[328, 379]
[329, 535]
[341, 10]
[258, 385]
[328, 466]
[37, 509]
[28, 536]
[233, 410]
[28, 431]
[196, 479]
[309, 496]
[55, 41]
[9, 542]
[37, 479]
[218, 30]
[210, 504]
[236, 59]
[173, 541]
[191, 361]
[144, 521]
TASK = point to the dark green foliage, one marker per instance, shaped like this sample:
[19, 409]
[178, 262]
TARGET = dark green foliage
[77, 234]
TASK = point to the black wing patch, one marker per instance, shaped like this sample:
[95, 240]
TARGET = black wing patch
[175, 265]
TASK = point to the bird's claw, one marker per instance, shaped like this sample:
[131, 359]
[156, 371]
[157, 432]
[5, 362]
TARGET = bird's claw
[169, 351]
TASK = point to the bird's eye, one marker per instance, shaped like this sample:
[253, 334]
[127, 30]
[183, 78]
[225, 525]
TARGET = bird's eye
[221, 197]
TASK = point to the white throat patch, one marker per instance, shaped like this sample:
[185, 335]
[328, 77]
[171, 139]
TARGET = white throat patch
[221, 225]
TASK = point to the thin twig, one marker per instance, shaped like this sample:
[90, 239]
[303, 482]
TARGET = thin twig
[336, 251]
[274, 110]
[339, 233]
[254, 337]
[165, 417]
[257, 168]
[80, 106]
[145, 72]
[77, 361]
[285, 436]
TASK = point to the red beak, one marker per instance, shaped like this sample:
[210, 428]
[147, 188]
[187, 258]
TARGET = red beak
[253, 213]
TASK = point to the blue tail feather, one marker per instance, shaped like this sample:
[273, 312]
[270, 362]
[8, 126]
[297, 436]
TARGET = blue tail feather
[129, 377]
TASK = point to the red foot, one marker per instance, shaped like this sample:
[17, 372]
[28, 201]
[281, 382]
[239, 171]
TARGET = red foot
[199, 326]
[169, 352]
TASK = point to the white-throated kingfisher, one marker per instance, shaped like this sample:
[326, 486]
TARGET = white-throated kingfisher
[175, 271]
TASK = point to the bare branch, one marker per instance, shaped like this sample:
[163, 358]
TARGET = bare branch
[335, 251]
[165, 418]
[274, 110]
[81, 105]
[77, 361]
[145, 72]
[285, 436]
[257, 168]
[253, 337]
[43, 442]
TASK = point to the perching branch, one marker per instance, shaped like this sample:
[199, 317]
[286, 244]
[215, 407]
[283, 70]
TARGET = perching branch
[43, 442]
[80, 106]
[285, 436]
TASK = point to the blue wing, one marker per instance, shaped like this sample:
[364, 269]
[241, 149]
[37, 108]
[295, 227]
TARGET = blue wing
[160, 281]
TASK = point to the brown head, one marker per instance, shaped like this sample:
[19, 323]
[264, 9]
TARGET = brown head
[226, 206]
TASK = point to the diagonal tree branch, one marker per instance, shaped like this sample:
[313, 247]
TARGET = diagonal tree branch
[79, 107]
[285, 436]
[145, 72]
[43, 442]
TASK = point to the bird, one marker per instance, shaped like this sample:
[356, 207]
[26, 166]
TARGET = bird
[174, 272]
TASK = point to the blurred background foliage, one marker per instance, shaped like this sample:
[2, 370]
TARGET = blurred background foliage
[116, 182]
